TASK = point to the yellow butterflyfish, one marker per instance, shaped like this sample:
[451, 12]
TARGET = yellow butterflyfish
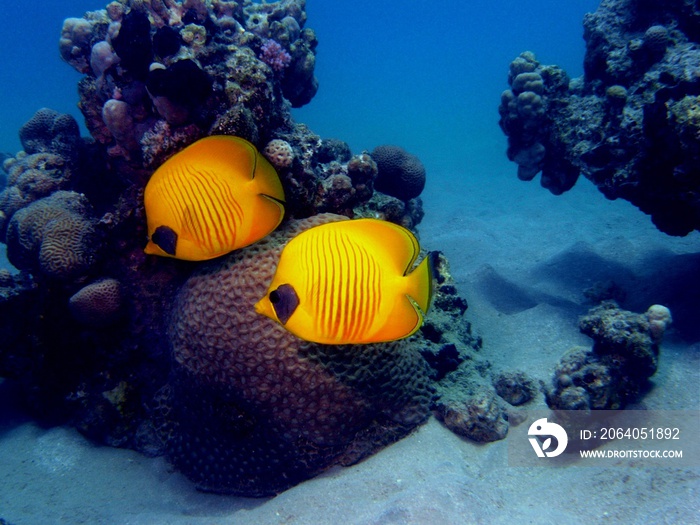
[215, 196]
[350, 282]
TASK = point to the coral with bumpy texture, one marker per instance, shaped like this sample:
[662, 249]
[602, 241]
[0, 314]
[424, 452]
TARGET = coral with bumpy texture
[76, 41]
[202, 63]
[479, 417]
[630, 124]
[254, 409]
[51, 143]
[524, 111]
[49, 131]
[53, 237]
[97, 304]
[399, 173]
[31, 177]
[612, 373]
[515, 388]
[280, 153]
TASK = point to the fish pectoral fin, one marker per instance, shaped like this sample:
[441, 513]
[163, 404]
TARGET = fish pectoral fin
[280, 202]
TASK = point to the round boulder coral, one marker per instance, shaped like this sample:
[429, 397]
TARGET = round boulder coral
[399, 173]
[656, 39]
[253, 410]
[659, 318]
[280, 153]
[97, 304]
[49, 131]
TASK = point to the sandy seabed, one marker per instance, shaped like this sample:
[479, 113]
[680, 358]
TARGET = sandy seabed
[522, 258]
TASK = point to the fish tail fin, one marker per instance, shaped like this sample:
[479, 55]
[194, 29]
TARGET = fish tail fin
[422, 281]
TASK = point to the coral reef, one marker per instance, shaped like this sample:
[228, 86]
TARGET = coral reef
[168, 356]
[614, 372]
[465, 400]
[189, 63]
[630, 124]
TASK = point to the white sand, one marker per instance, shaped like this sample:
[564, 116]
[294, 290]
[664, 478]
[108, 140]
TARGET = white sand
[522, 258]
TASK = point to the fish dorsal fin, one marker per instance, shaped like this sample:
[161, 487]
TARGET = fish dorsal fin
[223, 154]
[396, 245]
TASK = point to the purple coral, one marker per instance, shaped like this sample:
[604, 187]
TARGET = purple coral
[274, 55]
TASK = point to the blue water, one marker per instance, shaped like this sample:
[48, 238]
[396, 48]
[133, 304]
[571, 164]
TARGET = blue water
[426, 75]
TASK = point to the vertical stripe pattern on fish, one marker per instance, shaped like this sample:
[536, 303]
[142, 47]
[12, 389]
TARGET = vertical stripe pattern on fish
[350, 282]
[215, 196]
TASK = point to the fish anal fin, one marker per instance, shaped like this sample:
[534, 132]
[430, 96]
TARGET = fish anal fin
[419, 316]
[404, 320]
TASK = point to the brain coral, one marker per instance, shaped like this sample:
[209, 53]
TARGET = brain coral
[53, 236]
[31, 177]
[50, 132]
[98, 303]
[252, 410]
[399, 173]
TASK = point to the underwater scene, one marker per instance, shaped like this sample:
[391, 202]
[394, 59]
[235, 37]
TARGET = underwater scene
[350, 262]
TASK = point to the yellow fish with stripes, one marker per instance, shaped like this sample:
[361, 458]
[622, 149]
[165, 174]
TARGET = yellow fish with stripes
[215, 196]
[350, 282]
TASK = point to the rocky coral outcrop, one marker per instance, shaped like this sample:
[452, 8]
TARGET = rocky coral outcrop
[630, 124]
[614, 372]
[98, 335]
[189, 63]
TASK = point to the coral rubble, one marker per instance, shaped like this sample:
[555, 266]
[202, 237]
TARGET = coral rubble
[631, 124]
